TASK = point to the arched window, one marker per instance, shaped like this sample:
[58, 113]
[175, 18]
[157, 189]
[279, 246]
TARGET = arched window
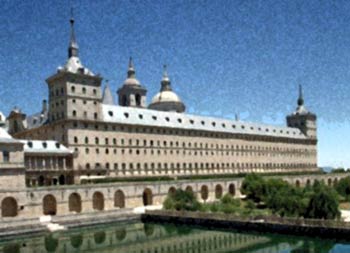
[73, 89]
[74, 202]
[9, 207]
[49, 205]
[119, 199]
[86, 140]
[74, 113]
[98, 201]
[147, 197]
[138, 99]
[97, 141]
[84, 90]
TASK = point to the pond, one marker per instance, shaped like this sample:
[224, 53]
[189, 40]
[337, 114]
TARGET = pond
[166, 238]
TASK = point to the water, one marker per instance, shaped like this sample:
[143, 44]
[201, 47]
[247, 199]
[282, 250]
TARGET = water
[155, 238]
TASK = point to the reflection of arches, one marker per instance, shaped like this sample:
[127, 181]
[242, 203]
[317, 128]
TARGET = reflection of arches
[50, 243]
[189, 189]
[149, 229]
[99, 237]
[98, 202]
[41, 180]
[297, 183]
[204, 192]
[49, 205]
[329, 181]
[62, 180]
[74, 202]
[218, 191]
[147, 197]
[11, 248]
[120, 234]
[9, 207]
[171, 191]
[76, 241]
[232, 189]
[119, 199]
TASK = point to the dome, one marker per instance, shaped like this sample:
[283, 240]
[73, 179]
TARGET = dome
[132, 82]
[166, 96]
[75, 66]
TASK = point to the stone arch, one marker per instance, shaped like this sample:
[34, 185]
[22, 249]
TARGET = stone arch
[74, 202]
[147, 197]
[9, 207]
[329, 181]
[218, 191]
[335, 181]
[49, 205]
[204, 192]
[171, 191]
[119, 199]
[308, 182]
[62, 180]
[76, 241]
[297, 183]
[232, 189]
[98, 202]
[189, 189]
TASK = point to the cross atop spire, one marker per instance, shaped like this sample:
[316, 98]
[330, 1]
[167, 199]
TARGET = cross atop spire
[165, 80]
[131, 70]
[73, 45]
[301, 97]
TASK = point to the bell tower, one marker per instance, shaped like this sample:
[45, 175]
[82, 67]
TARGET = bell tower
[303, 119]
[132, 93]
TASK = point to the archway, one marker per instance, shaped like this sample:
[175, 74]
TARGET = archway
[74, 202]
[308, 182]
[62, 180]
[329, 181]
[189, 189]
[49, 205]
[232, 189]
[119, 199]
[171, 191]
[147, 197]
[98, 202]
[204, 192]
[297, 183]
[335, 181]
[9, 207]
[218, 191]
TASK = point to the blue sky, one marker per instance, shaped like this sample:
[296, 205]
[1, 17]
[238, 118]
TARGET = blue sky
[224, 57]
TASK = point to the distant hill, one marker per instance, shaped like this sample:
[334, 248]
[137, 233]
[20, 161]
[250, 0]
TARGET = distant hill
[327, 169]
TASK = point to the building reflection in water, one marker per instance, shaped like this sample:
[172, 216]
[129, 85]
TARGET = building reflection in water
[154, 238]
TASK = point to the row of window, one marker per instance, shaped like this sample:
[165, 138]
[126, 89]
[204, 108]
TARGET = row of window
[200, 153]
[130, 167]
[60, 92]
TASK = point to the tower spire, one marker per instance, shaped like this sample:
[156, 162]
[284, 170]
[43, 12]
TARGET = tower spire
[165, 80]
[301, 97]
[73, 45]
[131, 69]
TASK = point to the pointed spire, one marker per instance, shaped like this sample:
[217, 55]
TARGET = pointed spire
[107, 95]
[73, 45]
[165, 80]
[301, 97]
[131, 69]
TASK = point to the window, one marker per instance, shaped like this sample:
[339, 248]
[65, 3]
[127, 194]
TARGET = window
[6, 156]
[97, 141]
[73, 89]
[84, 90]
[94, 91]
[74, 113]
[75, 139]
[95, 115]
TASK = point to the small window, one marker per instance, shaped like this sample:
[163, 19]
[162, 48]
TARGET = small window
[251, 128]
[266, 129]
[44, 144]
[167, 119]
[202, 122]
[179, 120]
[192, 121]
[242, 127]
[233, 126]
[58, 145]
[30, 144]
[6, 156]
[73, 89]
[140, 116]
[95, 115]
[154, 117]
[126, 115]
[94, 91]
[84, 90]
[213, 123]
[110, 113]
[223, 125]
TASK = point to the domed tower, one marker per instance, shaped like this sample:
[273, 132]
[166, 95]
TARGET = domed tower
[303, 119]
[132, 93]
[166, 99]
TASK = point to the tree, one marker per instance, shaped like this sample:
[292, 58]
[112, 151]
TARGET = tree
[323, 204]
[253, 186]
[182, 200]
[343, 187]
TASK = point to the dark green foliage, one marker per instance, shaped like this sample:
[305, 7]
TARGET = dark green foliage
[323, 204]
[250, 205]
[254, 187]
[182, 200]
[343, 187]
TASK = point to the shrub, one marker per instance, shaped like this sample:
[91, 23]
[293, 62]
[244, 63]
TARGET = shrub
[182, 200]
[253, 186]
[343, 187]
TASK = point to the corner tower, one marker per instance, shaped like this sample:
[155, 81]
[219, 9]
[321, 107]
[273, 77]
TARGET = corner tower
[74, 91]
[132, 93]
[303, 119]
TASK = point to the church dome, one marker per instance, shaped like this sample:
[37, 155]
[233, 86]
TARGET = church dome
[166, 99]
